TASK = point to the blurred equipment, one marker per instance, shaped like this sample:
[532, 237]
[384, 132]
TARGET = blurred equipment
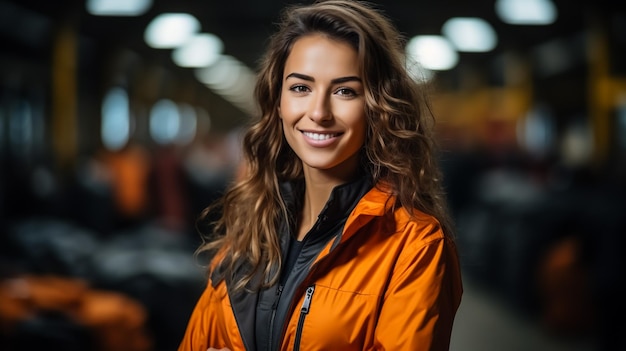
[60, 313]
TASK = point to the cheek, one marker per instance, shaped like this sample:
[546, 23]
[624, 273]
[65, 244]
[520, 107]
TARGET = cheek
[283, 107]
[289, 110]
[280, 107]
[362, 134]
[359, 125]
[287, 130]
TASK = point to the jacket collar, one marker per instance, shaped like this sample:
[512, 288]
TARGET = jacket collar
[340, 204]
[377, 202]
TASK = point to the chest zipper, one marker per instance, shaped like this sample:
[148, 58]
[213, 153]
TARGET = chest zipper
[304, 310]
[279, 291]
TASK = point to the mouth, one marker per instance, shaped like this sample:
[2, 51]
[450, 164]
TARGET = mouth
[320, 136]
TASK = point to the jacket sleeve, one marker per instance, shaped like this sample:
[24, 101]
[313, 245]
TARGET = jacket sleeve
[209, 324]
[195, 337]
[422, 298]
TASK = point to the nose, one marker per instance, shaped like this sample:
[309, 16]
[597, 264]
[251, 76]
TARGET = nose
[319, 108]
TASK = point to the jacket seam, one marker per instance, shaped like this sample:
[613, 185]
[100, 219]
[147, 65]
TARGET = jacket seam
[347, 291]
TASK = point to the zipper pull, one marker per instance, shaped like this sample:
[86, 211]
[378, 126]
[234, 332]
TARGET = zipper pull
[279, 292]
[307, 299]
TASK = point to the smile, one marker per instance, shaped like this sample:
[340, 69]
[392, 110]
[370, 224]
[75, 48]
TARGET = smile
[320, 136]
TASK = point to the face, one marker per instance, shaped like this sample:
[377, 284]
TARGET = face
[322, 105]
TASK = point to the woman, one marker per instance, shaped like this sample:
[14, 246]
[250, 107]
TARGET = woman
[336, 237]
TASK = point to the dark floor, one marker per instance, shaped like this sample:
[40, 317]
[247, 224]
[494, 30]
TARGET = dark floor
[485, 323]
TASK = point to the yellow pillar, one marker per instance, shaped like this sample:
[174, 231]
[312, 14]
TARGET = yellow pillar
[600, 95]
[64, 96]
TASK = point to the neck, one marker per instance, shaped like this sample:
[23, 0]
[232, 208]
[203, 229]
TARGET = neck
[319, 185]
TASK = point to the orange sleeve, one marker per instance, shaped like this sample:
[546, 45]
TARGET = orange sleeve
[195, 337]
[212, 323]
[422, 298]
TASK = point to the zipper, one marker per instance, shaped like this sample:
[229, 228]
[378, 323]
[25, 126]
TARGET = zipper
[304, 310]
[279, 291]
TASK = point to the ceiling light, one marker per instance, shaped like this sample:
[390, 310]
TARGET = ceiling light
[170, 30]
[201, 50]
[232, 80]
[115, 127]
[118, 7]
[470, 34]
[221, 74]
[433, 52]
[526, 12]
[188, 124]
[164, 122]
[418, 72]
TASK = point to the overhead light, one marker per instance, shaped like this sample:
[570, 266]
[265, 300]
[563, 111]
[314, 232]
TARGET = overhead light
[418, 72]
[188, 124]
[201, 50]
[170, 30]
[470, 34]
[115, 127]
[164, 122]
[433, 52]
[232, 80]
[222, 74]
[526, 12]
[118, 7]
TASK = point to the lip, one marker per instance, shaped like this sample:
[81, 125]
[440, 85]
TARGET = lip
[320, 139]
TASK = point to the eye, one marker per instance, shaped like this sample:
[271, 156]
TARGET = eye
[347, 92]
[299, 88]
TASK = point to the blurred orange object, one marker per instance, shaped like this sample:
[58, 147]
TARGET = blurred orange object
[564, 289]
[116, 321]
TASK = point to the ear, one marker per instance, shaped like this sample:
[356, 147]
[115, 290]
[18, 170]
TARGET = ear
[280, 115]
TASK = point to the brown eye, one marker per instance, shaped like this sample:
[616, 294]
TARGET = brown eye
[299, 89]
[346, 92]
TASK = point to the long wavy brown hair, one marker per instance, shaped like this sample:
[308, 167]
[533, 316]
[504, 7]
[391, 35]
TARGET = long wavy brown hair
[398, 151]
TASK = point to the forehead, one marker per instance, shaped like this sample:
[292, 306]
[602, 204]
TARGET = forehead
[319, 54]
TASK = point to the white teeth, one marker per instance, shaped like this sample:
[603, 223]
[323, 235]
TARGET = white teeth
[318, 136]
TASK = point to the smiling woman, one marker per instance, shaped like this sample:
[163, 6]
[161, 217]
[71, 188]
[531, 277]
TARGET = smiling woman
[322, 108]
[336, 237]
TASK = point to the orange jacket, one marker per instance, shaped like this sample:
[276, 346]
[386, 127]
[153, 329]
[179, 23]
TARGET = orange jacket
[392, 283]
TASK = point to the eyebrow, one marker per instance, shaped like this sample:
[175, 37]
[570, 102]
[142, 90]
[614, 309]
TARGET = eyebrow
[334, 81]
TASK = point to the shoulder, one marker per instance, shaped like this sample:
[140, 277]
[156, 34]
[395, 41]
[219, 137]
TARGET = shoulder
[417, 225]
[419, 229]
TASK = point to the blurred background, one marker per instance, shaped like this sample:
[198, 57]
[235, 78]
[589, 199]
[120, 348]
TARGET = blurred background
[121, 120]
